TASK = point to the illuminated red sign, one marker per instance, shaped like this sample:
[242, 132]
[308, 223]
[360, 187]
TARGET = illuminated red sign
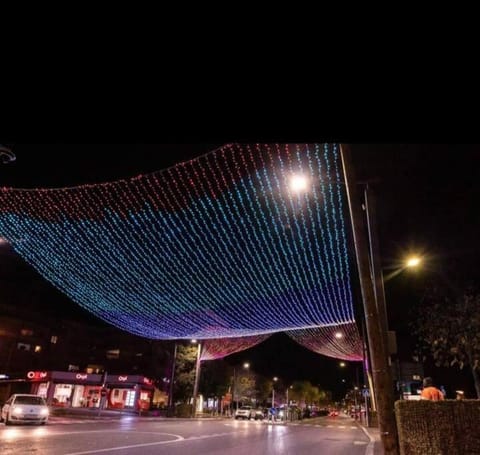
[35, 375]
[147, 381]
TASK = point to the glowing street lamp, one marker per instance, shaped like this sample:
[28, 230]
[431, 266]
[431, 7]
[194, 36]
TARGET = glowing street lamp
[338, 335]
[298, 183]
[413, 261]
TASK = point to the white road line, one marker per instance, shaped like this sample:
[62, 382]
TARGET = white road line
[371, 444]
[111, 449]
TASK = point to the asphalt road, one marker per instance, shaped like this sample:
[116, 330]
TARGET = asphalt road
[137, 436]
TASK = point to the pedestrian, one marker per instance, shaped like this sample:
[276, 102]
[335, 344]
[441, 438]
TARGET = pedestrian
[430, 392]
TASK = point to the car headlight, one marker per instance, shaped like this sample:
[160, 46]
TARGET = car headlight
[17, 410]
[44, 412]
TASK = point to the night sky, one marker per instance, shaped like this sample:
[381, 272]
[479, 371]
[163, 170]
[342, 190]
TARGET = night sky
[428, 202]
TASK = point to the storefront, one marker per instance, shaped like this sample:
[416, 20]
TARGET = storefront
[67, 389]
[129, 392]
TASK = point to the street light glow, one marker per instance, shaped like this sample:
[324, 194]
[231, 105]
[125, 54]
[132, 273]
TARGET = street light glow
[339, 335]
[246, 365]
[298, 183]
[413, 261]
[342, 364]
[275, 379]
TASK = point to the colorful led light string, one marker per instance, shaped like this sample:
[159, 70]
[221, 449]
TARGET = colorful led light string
[339, 341]
[213, 349]
[215, 247]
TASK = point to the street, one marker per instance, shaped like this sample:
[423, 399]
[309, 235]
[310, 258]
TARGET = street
[134, 435]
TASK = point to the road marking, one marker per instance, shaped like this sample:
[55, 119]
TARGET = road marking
[111, 449]
[371, 444]
[360, 443]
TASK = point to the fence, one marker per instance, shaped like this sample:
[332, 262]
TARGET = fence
[449, 427]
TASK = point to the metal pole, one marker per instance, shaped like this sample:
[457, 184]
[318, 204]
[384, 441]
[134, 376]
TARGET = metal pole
[376, 267]
[286, 415]
[197, 377]
[235, 389]
[102, 398]
[172, 377]
[378, 352]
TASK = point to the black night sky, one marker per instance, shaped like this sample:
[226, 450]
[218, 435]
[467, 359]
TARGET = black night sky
[428, 202]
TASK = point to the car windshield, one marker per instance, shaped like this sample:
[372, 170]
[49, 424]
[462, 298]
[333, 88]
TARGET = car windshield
[29, 400]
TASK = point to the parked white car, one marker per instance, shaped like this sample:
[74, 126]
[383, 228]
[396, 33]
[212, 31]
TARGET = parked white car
[22, 407]
[245, 412]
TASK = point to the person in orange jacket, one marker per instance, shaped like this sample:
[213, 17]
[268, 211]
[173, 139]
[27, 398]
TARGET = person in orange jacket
[430, 392]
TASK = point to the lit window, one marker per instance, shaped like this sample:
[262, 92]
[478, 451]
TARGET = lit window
[113, 354]
[53, 339]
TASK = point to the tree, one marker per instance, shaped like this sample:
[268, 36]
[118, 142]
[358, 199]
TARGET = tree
[185, 372]
[448, 326]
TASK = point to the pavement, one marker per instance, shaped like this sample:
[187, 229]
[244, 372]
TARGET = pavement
[375, 446]
[83, 415]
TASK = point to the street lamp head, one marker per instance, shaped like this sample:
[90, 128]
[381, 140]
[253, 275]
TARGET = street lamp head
[193, 341]
[338, 335]
[246, 365]
[413, 261]
[275, 379]
[342, 364]
[298, 183]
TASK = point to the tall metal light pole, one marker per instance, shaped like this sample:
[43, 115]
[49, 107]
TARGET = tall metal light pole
[246, 366]
[197, 377]
[275, 379]
[378, 350]
[172, 377]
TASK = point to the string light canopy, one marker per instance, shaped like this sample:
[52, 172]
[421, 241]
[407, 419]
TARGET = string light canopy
[244, 241]
[213, 349]
[341, 341]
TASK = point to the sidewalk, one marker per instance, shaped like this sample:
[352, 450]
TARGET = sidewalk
[63, 415]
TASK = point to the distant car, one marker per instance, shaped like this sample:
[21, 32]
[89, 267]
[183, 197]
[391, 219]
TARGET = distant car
[245, 412]
[24, 408]
[258, 414]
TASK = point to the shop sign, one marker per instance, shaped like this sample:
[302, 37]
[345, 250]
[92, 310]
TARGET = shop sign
[147, 381]
[81, 376]
[123, 378]
[34, 375]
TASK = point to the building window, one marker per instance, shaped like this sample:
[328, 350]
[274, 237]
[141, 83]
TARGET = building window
[26, 332]
[113, 354]
[53, 339]
[23, 346]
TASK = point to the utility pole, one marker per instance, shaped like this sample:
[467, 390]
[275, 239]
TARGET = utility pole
[170, 393]
[197, 378]
[378, 350]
